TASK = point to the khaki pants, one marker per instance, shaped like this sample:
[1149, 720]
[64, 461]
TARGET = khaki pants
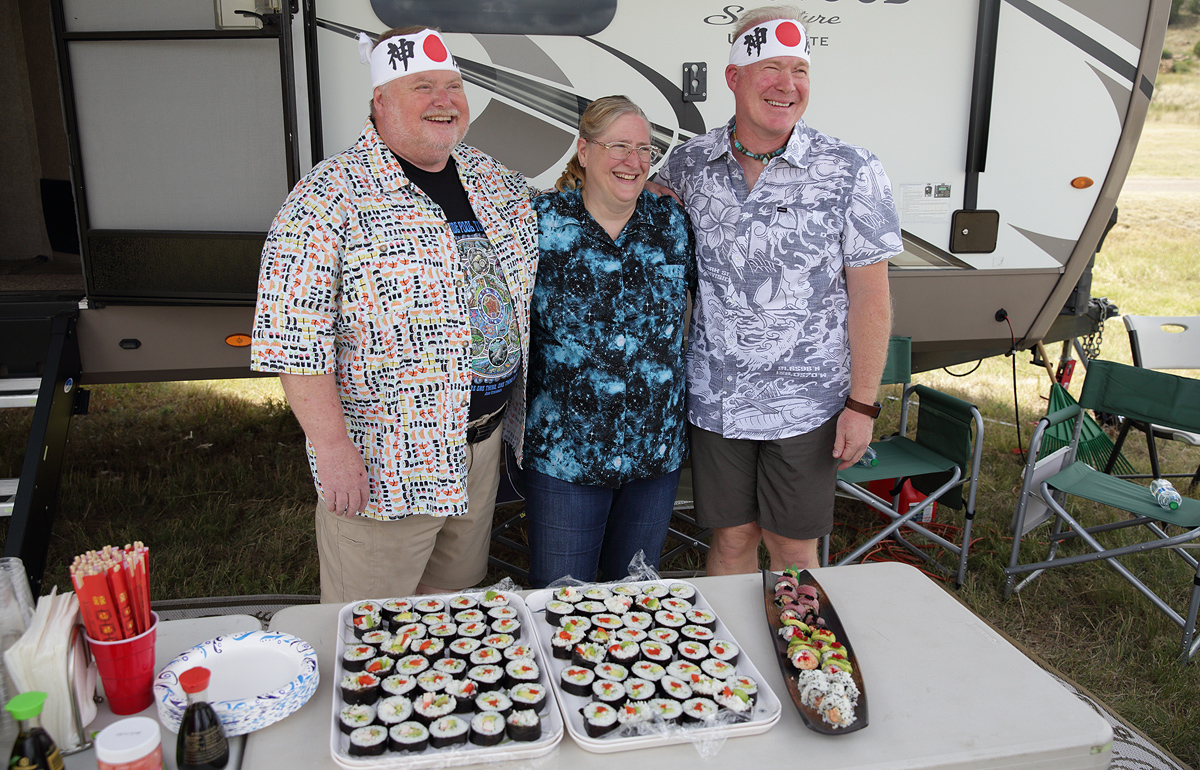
[364, 558]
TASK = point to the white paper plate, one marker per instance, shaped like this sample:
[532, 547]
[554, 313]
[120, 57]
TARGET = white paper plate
[766, 712]
[258, 678]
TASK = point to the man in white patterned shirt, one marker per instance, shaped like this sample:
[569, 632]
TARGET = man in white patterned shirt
[792, 314]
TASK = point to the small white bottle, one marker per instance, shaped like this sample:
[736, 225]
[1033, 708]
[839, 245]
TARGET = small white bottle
[1165, 494]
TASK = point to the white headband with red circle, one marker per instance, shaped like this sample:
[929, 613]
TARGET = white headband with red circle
[778, 37]
[405, 55]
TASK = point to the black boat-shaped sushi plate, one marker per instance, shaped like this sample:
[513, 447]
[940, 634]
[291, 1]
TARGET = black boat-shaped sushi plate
[812, 718]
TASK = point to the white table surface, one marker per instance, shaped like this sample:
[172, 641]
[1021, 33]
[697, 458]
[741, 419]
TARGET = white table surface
[171, 638]
[945, 690]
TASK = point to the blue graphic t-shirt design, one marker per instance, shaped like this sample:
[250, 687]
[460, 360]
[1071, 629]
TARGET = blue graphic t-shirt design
[606, 358]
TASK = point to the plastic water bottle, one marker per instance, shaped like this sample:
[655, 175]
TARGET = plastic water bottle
[1165, 494]
[869, 460]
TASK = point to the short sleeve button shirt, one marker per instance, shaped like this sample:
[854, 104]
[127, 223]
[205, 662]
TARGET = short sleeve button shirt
[606, 371]
[768, 355]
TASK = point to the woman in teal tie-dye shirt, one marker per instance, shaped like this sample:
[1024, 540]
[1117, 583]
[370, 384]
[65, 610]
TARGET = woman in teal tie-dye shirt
[605, 434]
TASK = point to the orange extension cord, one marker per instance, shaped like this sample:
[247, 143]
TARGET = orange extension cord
[890, 550]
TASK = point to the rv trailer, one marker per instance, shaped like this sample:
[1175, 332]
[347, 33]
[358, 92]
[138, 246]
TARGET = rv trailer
[153, 143]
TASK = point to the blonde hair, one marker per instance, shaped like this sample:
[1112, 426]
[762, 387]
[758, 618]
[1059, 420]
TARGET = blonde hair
[756, 16]
[595, 120]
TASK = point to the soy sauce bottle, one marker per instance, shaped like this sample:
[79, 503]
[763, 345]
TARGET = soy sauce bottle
[34, 749]
[201, 744]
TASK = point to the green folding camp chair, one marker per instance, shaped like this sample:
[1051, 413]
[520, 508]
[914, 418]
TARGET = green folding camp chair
[1144, 395]
[941, 459]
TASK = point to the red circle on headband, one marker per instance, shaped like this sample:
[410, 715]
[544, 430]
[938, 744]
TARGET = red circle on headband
[434, 49]
[788, 34]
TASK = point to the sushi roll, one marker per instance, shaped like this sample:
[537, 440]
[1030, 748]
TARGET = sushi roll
[633, 713]
[648, 670]
[494, 599]
[376, 637]
[464, 692]
[448, 731]
[461, 649]
[734, 699]
[625, 589]
[837, 710]
[600, 636]
[649, 604]
[837, 665]
[671, 604]
[521, 671]
[639, 690]
[665, 636]
[429, 605]
[429, 647]
[746, 685]
[469, 616]
[639, 620]
[499, 641]
[562, 644]
[529, 695]
[699, 710]
[402, 619]
[717, 669]
[607, 621]
[675, 688]
[589, 608]
[697, 633]
[588, 655]
[361, 624]
[487, 677]
[410, 736]
[524, 725]
[486, 656]
[693, 651]
[359, 688]
[683, 669]
[519, 651]
[398, 684]
[569, 594]
[453, 667]
[380, 666]
[612, 693]
[725, 650]
[656, 652]
[703, 684]
[447, 632]
[414, 630]
[497, 701]
[626, 652]
[411, 665]
[614, 672]
[577, 680]
[433, 680]
[556, 610]
[670, 619]
[824, 635]
[475, 629]
[461, 603]
[393, 607]
[598, 719]
[509, 626]
[597, 594]
[627, 634]
[804, 657]
[369, 741]
[666, 709]
[393, 710]
[834, 650]
[682, 591]
[356, 656]
[655, 590]
[575, 623]
[396, 646]
[431, 706]
[503, 612]
[436, 618]
[350, 718]
[487, 728]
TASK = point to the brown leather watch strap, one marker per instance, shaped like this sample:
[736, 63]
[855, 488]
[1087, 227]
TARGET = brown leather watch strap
[870, 410]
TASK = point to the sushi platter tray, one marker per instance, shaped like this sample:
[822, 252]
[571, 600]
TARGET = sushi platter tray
[818, 663]
[643, 664]
[440, 681]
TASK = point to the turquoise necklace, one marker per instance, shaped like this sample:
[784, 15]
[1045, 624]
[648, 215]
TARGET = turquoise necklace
[762, 157]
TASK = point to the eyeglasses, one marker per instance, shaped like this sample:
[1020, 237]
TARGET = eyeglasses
[621, 150]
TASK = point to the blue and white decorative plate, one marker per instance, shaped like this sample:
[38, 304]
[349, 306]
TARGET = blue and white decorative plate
[258, 678]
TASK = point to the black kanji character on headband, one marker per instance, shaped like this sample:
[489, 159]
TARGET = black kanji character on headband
[754, 41]
[403, 52]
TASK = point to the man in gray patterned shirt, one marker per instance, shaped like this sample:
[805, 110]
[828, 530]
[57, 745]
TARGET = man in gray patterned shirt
[792, 313]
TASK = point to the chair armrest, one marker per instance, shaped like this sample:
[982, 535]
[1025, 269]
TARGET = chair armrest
[1062, 415]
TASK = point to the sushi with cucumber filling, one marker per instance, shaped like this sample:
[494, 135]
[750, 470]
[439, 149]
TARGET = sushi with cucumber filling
[588, 655]
[486, 656]
[735, 700]
[656, 590]
[556, 610]
[577, 680]
[676, 605]
[529, 695]
[656, 652]
[447, 632]
[682, 591]
[376, 637]
[369, 741]
[607, 621]
[639, 620]
[648, 603]
[359, 688]
[625, 589]
[524, 725]
[393, 710]
[568, 594]
[464, 692]
[521, 672]
[502, 613]
[455, 667]
[697, 632]
[648, 670]
[461, 649]
[380, 666]
[356, 656]
[510, 626]
[461, 602]
[396, 646]
[488, 677]
[703, 684]
[633, 713]
[613, 672]
[475, 629]
[683, 669]
[598, 719]
[393, 607]
[427, 606]
[670, 619]
[403, 619]
[625, 652]
[626, 634]
[612, 693]
[487, 728]
[435, 618]
[723, 649]
[399, 684]
[413, 631]
[597, 593]
[518, 652]
[699, 709]
[600, 636]
[497, 701]
[350, 718]
[746, 685]
[433, 680]
[429, 647]
[675, 688]
[665, 636]
[469, 616]
[589, 608]
[639, 690]
[575, 623]
[667, 709]
[494, 599]
[361, 624]
[410, 736]
[693, 651]
[717, 669]
[411, 665]
[562, 644]
[448, 731]
[499, 641]
[431, 706]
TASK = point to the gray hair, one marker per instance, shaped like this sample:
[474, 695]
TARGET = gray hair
[756, 16]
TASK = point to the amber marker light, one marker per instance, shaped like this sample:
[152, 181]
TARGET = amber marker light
[238, 340]
[1081, 183]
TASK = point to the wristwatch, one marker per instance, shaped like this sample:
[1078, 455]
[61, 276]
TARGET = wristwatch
[870, 410]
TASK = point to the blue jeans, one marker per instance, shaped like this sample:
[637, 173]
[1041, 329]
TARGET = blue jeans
[575, 529]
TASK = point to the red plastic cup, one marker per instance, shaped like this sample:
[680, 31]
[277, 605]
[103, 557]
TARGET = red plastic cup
[127, 670]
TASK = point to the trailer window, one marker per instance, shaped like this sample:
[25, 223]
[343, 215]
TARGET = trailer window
[500, 17]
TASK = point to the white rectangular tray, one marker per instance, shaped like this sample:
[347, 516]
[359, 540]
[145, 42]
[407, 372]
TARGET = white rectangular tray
[469, 754]
[766, 713]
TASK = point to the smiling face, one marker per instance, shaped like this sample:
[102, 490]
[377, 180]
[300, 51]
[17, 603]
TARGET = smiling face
[422, 117]
[615, 184]
[770, 96]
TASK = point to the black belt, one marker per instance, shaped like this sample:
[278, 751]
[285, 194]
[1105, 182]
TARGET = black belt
[477, 433]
